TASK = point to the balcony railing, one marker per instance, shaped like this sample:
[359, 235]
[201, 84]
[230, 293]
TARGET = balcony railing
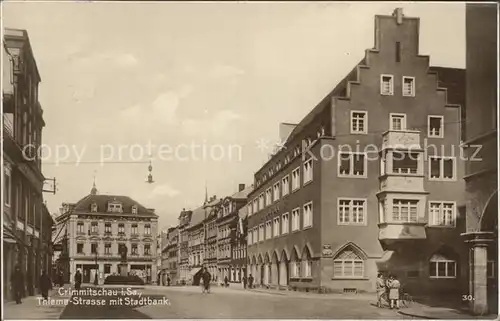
[8, 124]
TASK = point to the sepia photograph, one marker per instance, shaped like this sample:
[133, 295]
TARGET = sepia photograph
[249, 160]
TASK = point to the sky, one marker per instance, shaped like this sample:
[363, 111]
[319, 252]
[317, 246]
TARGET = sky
[197, 88]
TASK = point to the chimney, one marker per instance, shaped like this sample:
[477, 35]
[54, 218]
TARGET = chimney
[241, 187]
[398, 13]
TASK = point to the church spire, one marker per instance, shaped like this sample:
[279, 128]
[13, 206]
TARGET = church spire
[93, 191]
[206, 193]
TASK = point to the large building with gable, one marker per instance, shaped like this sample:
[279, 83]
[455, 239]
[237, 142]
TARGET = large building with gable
[90, 231]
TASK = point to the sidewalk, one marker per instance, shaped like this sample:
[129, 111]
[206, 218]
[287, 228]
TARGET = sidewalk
[421, 311]
[32, 309]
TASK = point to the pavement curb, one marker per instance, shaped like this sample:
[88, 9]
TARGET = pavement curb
[417, 316]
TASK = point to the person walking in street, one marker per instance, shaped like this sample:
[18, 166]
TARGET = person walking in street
[206, 277]
[17, 282]
[168, 281]
[244, 282]
[393, 285]
[78, 280]
[250, 281]
[226, 281]
[381, 289]
[45, 285]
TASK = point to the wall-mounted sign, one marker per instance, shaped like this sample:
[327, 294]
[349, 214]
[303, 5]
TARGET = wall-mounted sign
[327, 250]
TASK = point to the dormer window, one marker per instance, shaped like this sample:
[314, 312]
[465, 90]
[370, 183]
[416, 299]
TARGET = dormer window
[134, 209]
[115, 207]
[93, 207]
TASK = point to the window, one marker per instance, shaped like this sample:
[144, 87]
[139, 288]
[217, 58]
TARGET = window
[255, 206]
[79, 248]
[435, 126]
[386, 85]
[352, 164]
[261, 232]
[134, 249]
[398, 121]
[94, 228]
[276, 191]
[409, 86]
[79, 228]
[107, 248]
[249, 208]
[359, 122]
[134, 209]
[285, 223]
[93, 208]
[441, 267]
[93, 248]
[490, 269]
[269, 230]
[269, 196]
[307, 269]
[7, 186]
[134, 229]
[107, 268]
[404, 163]
[107, 228]
[348, 265]
[296, 179]
[250, 237]
[261, 201]
[405, 211]
[147, 249]
[121, 228]
[351, 211]
[308, 170]
[442, 213]
[296, 219]
[285, 185]
[398, 51]
[255, 235]
[308, 215]
[276, 226]
[147, 229]
[295, 268]
[113, 207]
[442, 168]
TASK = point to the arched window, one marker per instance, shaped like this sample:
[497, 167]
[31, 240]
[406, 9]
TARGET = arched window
[442, 267]
[295, 265]
[306, 263]
[348, 264]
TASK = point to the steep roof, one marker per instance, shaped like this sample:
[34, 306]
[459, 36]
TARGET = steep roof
[198, 216]
[84, 205]
[242, 194]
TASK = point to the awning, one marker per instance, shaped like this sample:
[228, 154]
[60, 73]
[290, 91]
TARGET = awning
[8, 237]
[194, 271]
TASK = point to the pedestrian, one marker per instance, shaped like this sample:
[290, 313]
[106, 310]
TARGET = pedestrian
[17, 282]
[226, 281]
[78, 280]
[394, 286]
[60, 279]
[168, 281]
[381, 289]
[250, 281]
[206, 277]
[244, 282]
[45, 285]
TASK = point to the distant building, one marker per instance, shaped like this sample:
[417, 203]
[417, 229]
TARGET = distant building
[91, 230]
[183, 247]
[169, 256]
[482, 144]
[228, 258]
[358, 188]
[27, 224]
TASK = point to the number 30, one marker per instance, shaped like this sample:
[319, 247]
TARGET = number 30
[467, 297]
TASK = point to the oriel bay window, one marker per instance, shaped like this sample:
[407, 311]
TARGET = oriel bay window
[405, 163]
[405, 211]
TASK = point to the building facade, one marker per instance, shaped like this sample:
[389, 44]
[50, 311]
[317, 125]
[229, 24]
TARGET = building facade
[93, 230]
[481, 148]
[169, 264]
[211, 241]
[183, 256]
[227, 239]
[27, 224]
[369, 181]
[239, 245]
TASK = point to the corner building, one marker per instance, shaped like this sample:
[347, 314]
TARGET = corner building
[359, 187]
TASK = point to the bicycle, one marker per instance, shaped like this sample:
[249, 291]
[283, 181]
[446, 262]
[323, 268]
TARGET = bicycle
[406, 300]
